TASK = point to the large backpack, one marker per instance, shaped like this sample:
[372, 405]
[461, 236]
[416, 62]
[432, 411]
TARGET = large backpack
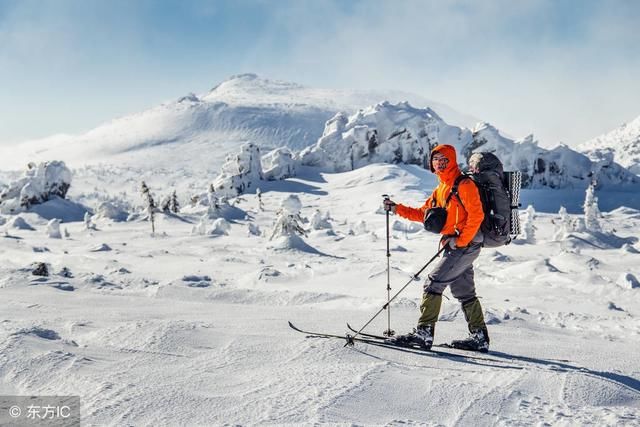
[500, 196]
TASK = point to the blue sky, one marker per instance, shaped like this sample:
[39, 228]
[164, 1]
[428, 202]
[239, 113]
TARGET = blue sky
[563, 70]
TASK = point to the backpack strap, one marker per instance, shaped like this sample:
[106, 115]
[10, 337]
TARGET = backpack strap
[454, 189]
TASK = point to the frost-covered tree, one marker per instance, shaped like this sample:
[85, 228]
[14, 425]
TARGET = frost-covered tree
[563, 225]
[319, 221]
[240, 172]
[170, 203]
[150, 205]
[385, 133]
[53, 229]
[279, 164]
[361, 227]
[531, 212]
[201, 227]
[528, 227]
[220, 227]
[214, 204]
[88, 222]
[40, 183]
[174, 205]
[253, 229]
[259, 196]
[164, 204]
[579, 225]
[591, 210]
[288, 220]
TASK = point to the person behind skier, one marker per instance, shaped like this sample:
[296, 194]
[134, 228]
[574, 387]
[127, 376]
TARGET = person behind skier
[463, 239]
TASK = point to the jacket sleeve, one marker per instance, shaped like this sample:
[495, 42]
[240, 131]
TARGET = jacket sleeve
[414, 214]
[470, 198]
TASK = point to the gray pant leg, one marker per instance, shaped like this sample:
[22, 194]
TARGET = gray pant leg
[455, 269]
[464, 288]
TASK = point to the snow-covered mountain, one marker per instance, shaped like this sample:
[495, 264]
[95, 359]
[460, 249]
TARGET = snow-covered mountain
[622, 143]
[201, 130]
[400, 133]
[205, 132]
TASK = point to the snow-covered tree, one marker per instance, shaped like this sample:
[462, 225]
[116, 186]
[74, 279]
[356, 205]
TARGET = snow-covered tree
[528, 227]
[579, 225]
[201, 227]
[563, 225]
[39, 184]
[591, 210]
[361, 227]
[214, 205]
[174, 205]
[279, 164]
[220, 227]
[150, 205]
[531, 212]
[385, 133]
[319, 221]
[253, 229]
[259, 196]
[164, 204]
[53, 229]
[240, 172]
[88, 222]
[288, 220]
[170, 203]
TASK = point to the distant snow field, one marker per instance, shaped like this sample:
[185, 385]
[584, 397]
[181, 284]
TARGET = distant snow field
[188, 326]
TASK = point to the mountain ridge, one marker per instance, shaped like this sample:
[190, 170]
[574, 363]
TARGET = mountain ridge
[243, 108]
[621, 144]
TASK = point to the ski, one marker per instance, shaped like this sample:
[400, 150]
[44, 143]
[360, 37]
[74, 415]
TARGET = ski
[350, 340]
[380, 337]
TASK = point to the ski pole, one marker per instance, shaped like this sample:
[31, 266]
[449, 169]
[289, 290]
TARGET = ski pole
[414, 277]
[388, 332]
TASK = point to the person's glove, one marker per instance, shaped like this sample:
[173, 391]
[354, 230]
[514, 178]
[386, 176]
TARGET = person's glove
[389, 205]
[450, 242]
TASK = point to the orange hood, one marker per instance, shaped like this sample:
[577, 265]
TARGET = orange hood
[452, 171]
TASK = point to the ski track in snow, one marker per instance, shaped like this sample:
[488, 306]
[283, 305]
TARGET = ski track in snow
[181, 329]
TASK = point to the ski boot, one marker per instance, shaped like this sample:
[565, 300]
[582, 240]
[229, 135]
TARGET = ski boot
[478, 340]
[422, 337]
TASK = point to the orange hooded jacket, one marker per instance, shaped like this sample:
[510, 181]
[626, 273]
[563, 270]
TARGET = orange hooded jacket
[464, 220]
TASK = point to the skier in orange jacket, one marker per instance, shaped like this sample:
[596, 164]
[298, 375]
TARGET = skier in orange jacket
[458, 219]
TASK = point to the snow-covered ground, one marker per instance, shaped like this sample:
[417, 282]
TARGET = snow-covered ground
[183, 328]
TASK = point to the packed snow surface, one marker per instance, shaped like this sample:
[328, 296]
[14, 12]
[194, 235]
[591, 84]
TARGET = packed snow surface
[182, 328]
